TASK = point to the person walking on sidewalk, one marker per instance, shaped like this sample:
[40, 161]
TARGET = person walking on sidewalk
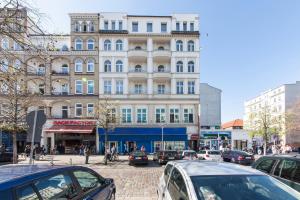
[87, 154]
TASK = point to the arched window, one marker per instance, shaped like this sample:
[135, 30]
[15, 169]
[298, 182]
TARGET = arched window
[77, 27]
[107, 66]
[90, 65]
[191, 66]
[78, 65]
[4, 65]
[161, 48]
[119, 45]
[90, 44]
[65, 69]
[78, 44]
[17, 64]
[119, 66]
[160, 68]
[5, 43]
[107, 45]
[179, 66]
[85, 27]
[191, 46]
[92, 27]
[138, 48]
[138, 68]
[179, 45]
[65, 48]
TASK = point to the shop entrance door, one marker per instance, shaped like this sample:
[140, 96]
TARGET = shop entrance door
[131, 145]
[214, 145]
[113, 143]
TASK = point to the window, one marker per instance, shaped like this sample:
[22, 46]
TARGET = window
[266, 165]
[188, 115]
[191, 46]
[90, 44]
[119, 66]
[90, 110]
[112, 115]
[138, 48]
[149, 27]
[107, 45]
[90, 87]
[84, 27]
[78, 110]
[119, 87]
[179, 45]
[179, 87]
[106, 25]
[179, 66]
[4, 65]
[17, 46]
[135, 26]
[161, 89]
[77, 27]
[26, 192]
[141, 115]
[107, 87]
[78, 44]
[291, 170]
[90, 65]
[42, 89]
[174, 115]
[126, 115]
[65, 48]
[17, 64]
[87, 180]
[138, 68]
[177, 26]
[107, 66]
[161, 68]
[184, 26]
[92, 27]
[41, 70]
[120, 25]
[138, 89]
[119, 45]
[167, 172]
[78, 86]
[64, 112]
[176, 186]
[191, 67]
[65, 88]
[163, 27]
[191, 26]
[160, 115]
[161, 48]
[113, 25]
[5, 43]
[191, 87]
[78, 65]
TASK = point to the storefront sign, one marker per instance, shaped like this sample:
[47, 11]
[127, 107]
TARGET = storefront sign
[74, 122]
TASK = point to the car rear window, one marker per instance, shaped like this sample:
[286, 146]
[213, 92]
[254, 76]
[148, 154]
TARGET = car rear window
[214, 152]
[139, 153]
[243, 153]
[202, 152]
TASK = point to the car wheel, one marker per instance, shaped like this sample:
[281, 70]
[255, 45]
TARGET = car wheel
[113, 196]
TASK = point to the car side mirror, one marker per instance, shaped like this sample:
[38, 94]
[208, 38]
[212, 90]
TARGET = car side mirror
[107, 181]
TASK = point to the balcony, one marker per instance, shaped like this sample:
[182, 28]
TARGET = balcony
[162, 93]
[36, 73]
[137, 53]
[137, 74]
[138, 93]
[161, 54]
[166, 74]
[60, 73]
[59, 93]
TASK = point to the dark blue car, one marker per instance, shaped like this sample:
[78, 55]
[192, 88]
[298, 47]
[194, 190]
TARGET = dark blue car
[53, 182]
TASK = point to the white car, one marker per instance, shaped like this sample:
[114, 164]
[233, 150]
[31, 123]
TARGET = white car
[207, 180]
[213, 155]
[189, 155]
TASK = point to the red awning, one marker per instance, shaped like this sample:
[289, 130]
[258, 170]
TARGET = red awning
[195, 137]
[70, 129]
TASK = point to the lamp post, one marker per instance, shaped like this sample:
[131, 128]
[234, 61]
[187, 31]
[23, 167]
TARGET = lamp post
[162, 136]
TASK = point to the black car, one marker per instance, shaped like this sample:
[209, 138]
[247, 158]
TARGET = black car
[164, 156]
[283, 167]
[239, 157]
[6, 155]
[138, 157]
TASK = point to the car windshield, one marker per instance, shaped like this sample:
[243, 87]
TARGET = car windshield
[202, 152]
[242, 187]
[139, 153]
[243, 153]
[189, 153]
[170, 153]
[214, 152]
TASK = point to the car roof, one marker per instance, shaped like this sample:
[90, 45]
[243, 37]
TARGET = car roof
[13, 175]
[204, 168]
[296, 157]
[189, 151]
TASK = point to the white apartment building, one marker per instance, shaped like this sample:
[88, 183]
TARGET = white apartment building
[281, 101]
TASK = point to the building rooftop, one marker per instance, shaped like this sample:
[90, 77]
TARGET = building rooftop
[232, 124]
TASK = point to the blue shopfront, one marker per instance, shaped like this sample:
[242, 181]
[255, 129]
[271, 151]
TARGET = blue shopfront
[213, 139]
[127, 139]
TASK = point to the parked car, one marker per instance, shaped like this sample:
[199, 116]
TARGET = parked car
[165, 155]
[214, 180]
[6, 155]
[239, 157]
[209, 155]
[189, 155]
[284, 168]
[138, 157]
[53, 182]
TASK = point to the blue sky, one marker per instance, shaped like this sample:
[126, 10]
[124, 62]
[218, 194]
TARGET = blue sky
[251, 45]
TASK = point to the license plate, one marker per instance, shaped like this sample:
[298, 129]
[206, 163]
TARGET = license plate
[171, 158]
[248, 157]
[138, 158]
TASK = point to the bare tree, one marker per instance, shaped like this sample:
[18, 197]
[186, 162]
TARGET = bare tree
[292, 122]
[107, 119]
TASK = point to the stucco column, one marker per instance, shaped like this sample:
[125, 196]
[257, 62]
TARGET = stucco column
[173, 86]
[150, 85]
[125, 86]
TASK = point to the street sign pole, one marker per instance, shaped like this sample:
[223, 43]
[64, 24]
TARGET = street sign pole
[32, 137]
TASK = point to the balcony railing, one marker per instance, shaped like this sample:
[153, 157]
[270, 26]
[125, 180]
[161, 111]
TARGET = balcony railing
[162, 92]
[137, 71]
[36, 73]
[63, 73]
[59, 93]
[137, 92]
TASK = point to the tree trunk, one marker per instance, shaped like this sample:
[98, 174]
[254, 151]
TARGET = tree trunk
[15, 153]
[105, 148]
[265, 147]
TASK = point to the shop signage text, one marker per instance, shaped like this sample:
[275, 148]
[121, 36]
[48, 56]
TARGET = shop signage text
[74, 122]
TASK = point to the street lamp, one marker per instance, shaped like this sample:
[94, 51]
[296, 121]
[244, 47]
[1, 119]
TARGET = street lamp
[162, 135]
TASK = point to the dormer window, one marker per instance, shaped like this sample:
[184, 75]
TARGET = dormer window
[138, 48]
[138, 68]
[161, 68]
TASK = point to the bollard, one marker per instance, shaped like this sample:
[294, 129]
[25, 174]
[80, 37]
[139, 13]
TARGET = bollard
[51, 162]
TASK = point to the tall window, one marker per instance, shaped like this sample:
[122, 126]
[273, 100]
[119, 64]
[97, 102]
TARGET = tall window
[90, 87]
[141, 115]
[78, 65]
[188, 115]
[64, 112]
[119, 45]
[78, 86]
[90, 65]
[17, 64]
[90, 110]
[174, 115]
[149, 27]
[107, 66]
[191, 87]
[107, 87]
[179, 87]
[138, 89]
[120, 25]
[179, 66]
[4, 65]
[113, 25]
[65, 69]
[126, 115]
[160, 115]
[78, 44]
[184, 26]
[5, 43]
[179, 45]
[177, 26]
[119, 66]
[106, 25]
[163, 27]
[191, 46]
[92, 27]
[17, 46]
[138, 68]
[191, 66]
[135, 26]
[107, 45]
[90, 44]
[119, 87]
[42, 88]
[85, 27]
[161, 89]
[77, 27]
[191, 26]
[78, 108]
[112, 115]
[161, 68]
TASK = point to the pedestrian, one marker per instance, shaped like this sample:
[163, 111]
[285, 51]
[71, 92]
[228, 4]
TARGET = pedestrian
[143, 149]
[87, 154]
[81, 149]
